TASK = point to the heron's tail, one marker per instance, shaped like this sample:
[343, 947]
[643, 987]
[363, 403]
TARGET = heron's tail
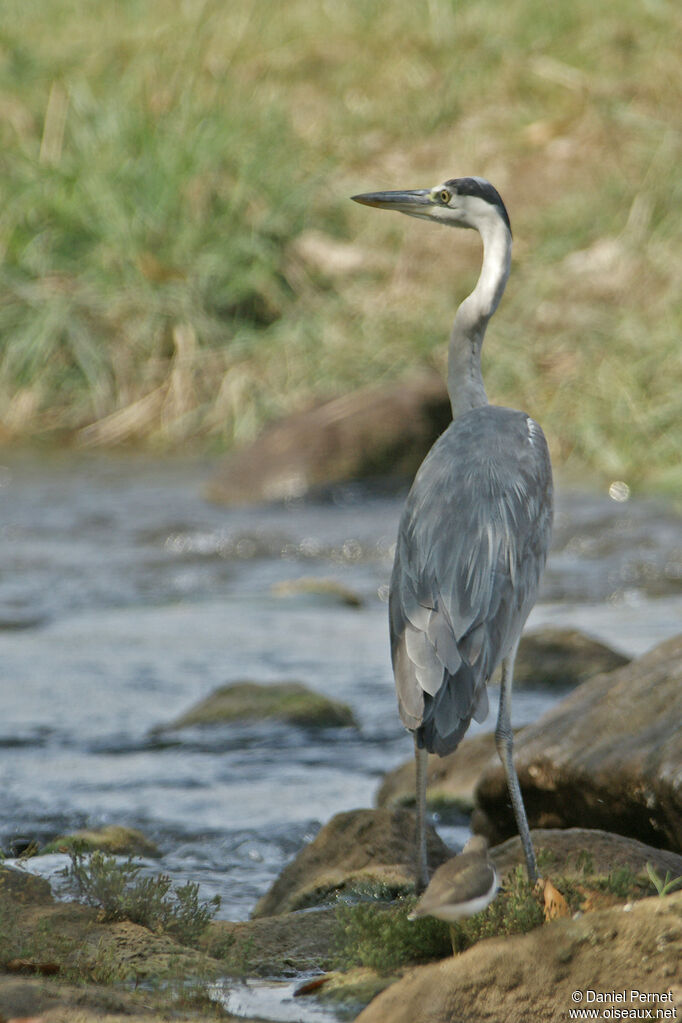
[448, 714]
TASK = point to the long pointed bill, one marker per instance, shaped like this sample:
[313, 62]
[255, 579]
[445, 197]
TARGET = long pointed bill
[416, 203]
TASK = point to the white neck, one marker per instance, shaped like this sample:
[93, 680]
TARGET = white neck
[465, 383]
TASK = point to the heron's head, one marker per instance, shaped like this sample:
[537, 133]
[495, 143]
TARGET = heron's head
[459, 202]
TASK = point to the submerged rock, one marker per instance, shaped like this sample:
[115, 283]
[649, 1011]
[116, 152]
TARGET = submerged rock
[533, 977]
[376, 431]
[290, 702]
[328, 590]
[114, 839]
[608, 756]
[370, 851]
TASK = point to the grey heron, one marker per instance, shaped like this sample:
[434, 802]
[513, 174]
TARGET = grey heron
[474, 533]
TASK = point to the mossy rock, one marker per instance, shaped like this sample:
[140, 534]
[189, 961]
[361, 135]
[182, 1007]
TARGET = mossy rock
[351, 990]
[359, 852]
[289, 702]
[273, 946]
[329, 590]
[575, 852]
[19, 888]
[114, 839]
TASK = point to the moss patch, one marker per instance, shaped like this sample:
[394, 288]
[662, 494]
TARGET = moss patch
[290, 702]
[381, 938]
[114, 839]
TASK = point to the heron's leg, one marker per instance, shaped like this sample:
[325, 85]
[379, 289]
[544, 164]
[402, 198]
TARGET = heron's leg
[422, 878]
[504, 740]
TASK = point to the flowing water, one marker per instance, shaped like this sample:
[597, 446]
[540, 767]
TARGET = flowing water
[125, 598]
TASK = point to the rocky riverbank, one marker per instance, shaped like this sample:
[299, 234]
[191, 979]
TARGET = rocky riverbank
[338, 910]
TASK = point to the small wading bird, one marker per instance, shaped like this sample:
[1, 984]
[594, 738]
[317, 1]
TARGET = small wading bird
[461, 887]
[475, 530]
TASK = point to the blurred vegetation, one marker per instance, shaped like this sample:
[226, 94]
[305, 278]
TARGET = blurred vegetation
[180, 262]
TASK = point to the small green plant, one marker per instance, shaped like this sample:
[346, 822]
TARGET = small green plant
[516, 910]
[236, 954]
[121, 894]
[663, 887]
[621, 882]
[383, 939]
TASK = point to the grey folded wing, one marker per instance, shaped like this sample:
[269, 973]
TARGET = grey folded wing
[472, 543]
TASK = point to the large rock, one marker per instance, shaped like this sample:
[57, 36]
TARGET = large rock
[290, 702]
[581, 852]
[377, 431]
[561, 659]
[369, 850]
[608, 756]
[532, 978]
[273, 946]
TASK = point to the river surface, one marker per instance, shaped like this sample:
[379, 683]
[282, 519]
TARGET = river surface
[125, 598]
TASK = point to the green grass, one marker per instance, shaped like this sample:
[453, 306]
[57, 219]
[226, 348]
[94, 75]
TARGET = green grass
[664, 885]
[163, 165]
[383, 939]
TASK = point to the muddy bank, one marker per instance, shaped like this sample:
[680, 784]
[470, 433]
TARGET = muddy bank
[539, 977]
[60, 962]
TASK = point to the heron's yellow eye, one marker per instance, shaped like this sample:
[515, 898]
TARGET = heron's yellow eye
[444, 196]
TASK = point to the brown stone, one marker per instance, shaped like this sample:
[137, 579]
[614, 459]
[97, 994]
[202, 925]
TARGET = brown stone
[561, 659]
[360, 849]
[376, 431]
[532, 978]
[576, 852]
[607, 756]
